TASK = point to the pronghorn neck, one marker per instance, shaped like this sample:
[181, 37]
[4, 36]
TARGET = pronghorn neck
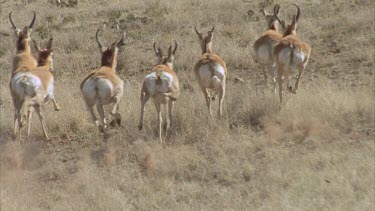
[290, 31]
[207, 48]
[44, 60]
[109, 59]
[23, 46]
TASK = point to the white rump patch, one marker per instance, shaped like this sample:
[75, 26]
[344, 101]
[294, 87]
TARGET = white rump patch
[211, 72]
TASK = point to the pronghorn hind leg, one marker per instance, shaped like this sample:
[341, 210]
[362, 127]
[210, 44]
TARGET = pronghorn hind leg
[29, 115]
[288, 83]
[264, 67]
[280, 81]
[91, 110]
[221, 90]
[16, 126]
[301, 69]
[208, 99]
[144, 98]
[169, 116]
[57, 107]
[17, 119]
[41, 118]
[160, 120]
[115, 114]
[104, 126]
[272, 71]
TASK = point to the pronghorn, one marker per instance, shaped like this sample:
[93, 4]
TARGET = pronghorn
[263, 46]
[210, 71]
[289, 54]
[162, 86]
[103, 86]
[34, 88]
[23, 61]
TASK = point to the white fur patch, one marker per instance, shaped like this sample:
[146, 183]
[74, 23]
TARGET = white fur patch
[28, 85]
[264, 55]
[157, 90]
[97, 91]
[206, 76]
[285, 57]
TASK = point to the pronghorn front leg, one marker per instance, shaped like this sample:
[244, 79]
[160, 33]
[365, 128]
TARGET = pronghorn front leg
[160, 120]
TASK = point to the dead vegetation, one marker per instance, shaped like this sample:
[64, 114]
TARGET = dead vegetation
[317, 153]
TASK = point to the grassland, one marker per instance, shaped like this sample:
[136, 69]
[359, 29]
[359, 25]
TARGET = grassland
[316, 153]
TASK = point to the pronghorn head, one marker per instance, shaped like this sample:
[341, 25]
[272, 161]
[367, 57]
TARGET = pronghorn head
[291, 29]
[23, 36]
[45, 55]
[271, 19]
[167, 60]
[206, 42]
[109, 54]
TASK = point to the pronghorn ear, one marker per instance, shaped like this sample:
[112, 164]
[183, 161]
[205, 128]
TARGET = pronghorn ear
[200, 36]
[49, 44]
[294, 23]
[17, 32]
[211, 35]
[37, 47]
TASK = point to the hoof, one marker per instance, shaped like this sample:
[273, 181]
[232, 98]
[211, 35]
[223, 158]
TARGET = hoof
[113, 123]
[118, 121]
[101, 129]
[290, 88]
[57, 109]
[294, 91]
[140, 127]
[118, 118]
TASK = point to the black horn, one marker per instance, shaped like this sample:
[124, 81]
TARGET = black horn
[32, 22]
[298, 12]
[10, 19]
[97, 40]
[175, 46]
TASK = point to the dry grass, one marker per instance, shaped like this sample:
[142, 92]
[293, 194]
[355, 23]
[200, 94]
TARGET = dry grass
[317, 153]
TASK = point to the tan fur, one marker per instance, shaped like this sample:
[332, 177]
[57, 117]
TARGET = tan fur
[268, 36]
[167, 69]
[207, 58]
[292, 40]
[104, 72]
